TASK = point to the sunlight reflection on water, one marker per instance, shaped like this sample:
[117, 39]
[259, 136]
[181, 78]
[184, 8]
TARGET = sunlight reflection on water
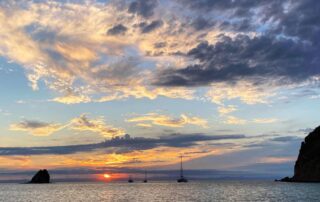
[162, 191]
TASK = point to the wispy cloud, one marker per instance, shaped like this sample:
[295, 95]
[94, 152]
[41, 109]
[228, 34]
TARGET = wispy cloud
[81, 123]
[232, 120]
[98, 125]
[244, 91]
[121, 144]
[265, 120]
[60, 57]
[36, 128]
[223, 110]
[164, 120]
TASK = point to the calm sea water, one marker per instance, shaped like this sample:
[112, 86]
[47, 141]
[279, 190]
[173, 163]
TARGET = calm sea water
[162, 191]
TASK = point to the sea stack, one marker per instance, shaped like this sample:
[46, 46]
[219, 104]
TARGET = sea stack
[42, 176]
[307, 167]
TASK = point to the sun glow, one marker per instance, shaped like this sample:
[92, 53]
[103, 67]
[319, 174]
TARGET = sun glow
[107, 176]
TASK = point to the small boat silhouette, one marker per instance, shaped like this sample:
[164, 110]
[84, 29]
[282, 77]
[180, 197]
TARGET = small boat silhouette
[145, 177]
[182, 178]
[130, 180]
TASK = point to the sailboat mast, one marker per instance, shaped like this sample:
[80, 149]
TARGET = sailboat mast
[145, 175]
[181, 169]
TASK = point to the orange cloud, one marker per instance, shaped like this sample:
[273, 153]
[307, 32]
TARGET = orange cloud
[36, 128]
[82, 123]
[243, 90]
[164, 120]
[98, 125]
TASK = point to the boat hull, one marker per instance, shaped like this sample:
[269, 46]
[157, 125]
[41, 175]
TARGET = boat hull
[182, 180]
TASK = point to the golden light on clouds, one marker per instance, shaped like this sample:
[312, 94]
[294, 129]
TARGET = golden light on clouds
[36, 128]
[244, 91]
[81, 123]
[98, 125]
[165, 120]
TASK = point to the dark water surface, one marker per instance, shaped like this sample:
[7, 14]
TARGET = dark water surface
[162, 191]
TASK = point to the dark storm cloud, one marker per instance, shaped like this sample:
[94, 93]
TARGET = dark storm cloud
[120, 144]
[117, 29]
[146, 28]
[201, 23]
[237, 8]
[302, 20]
[144, 8]
[243, 57]
[239, 15]
[287, 50]
[241, 26]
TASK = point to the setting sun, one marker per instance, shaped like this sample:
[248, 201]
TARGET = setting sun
[107, 176]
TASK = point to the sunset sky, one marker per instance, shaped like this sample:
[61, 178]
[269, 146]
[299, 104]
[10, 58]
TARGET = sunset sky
[91, 87]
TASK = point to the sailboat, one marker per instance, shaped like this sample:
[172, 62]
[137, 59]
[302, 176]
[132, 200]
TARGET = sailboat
[145, 177]
[182, 178]
[130, 180]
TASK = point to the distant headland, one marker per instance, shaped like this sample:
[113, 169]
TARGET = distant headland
[307, 166]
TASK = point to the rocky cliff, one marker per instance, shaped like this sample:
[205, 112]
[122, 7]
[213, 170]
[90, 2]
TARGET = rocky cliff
[307, 167]
[42, 176]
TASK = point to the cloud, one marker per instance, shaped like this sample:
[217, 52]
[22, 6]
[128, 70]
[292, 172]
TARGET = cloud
[273, 49]
[201, 23]
[232, 120]
[82, 123]
[144, 125]
[305, 26]
[286, 139]
[278, 160]
[145, 8]
[117, 29]
[244, 91]
[305, 130]
[63, 59]
[207, 5]
[146, 28]
[36, 128]
[265, 120]
[261, 59]
[164, 120]
[223, 110]
[101, 55]
[120, 144]
[71, 97]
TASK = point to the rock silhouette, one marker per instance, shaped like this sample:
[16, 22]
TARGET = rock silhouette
[307, 167]
[42, 176]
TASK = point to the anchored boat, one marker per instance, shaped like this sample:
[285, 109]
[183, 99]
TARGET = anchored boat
[182, 178]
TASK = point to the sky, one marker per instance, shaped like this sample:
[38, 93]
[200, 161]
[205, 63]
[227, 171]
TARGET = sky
[119, 86]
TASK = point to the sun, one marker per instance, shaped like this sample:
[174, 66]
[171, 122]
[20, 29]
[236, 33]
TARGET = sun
[107, 176]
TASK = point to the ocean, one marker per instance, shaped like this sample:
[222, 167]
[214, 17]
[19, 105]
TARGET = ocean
[162, 191]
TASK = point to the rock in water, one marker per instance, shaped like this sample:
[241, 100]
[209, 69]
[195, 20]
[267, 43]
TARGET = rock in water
[42, 176]
[307, 167]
